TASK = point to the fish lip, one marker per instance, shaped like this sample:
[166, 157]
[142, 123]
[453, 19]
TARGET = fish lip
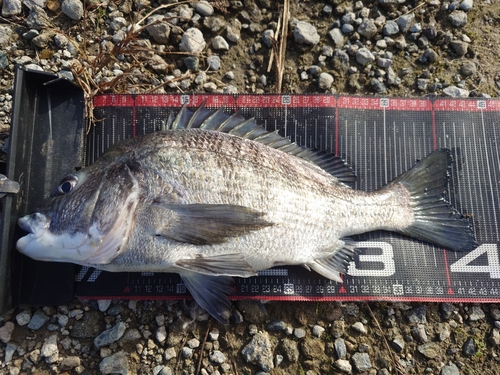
[35, 224]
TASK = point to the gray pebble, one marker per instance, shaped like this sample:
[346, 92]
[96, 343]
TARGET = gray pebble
[458, 18]
[378, 86]
[187, 352]
[390, 28]
[11, 8]
[215, 24]
[170, 353]
[233, 31]
[229, 75]
[115, 364]
[470, 347]
[193, 343]
[305, 33]
[429, 350]
[494, 338]
[450, 369]
[337, 37]
[103, 304]
[204, 8]
[192, 63]
[4, 62]
[418, 315]
[10, 349]
[161, 334]
[219, 43]
[361, 361]
[259, 350]
[317, 330]
[383, 62]
[49, 349]
[367, 28]
[217, 357]
[110, 335]
[192, 41]
[359, 327]
[210, 87]
[23, 317]
[6, 332]
[466, 5]
[299, 333]
[37, 19]
[343, 365]
[213, 62]
[347, 29]
[158, 29]
[364, 56]
[73, 9]
[276, 325]
[38, 320]
[476, 314]
[268, 38]
[456, 92]
[405, 21]
[340, 348]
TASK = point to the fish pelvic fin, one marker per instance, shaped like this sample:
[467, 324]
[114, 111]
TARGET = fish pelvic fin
[435, 220]
[209, 224]
[224, 265]
[211, 293]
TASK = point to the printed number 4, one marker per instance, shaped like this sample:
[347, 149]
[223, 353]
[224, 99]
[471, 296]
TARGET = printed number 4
[493, 266]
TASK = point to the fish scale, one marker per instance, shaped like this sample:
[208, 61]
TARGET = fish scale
[161, 205]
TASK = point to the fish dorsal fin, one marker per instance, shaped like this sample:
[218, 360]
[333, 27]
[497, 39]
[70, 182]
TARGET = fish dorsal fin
[237, 124]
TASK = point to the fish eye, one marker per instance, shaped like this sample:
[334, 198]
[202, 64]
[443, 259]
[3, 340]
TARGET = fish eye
[67, 184]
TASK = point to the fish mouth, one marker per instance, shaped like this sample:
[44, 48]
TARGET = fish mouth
[36, 225]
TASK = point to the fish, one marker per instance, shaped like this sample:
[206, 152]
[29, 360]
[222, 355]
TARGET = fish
[215, 196]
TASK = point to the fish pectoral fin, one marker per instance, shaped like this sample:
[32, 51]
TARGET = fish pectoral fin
[225, 264]
[332, 267]
[211, 293]
[208, 224]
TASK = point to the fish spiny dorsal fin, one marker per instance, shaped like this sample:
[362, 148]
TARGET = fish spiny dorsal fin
[237, 124]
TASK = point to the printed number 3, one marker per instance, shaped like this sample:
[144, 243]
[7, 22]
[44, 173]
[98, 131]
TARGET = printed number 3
[384, 262]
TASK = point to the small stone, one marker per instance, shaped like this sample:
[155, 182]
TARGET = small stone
[217, 357]
[276, 325]
[49, 349]
[347, 29]
[317, 330]
[299, 333]
[268, 38]
[253, 311]
[340, 348]
[390, 28]
[405, 21]
[11, 8]
[158, 29]
[204, 8]
[10, 349]
[219, 43]
[187, 352]
[378, 86]
[398, 344]
[470, 347]
[73, 9]
[192, 41]
[325, 81]
[459, 47]
[458, 18]
[343, 365]
[367, 28]
[361, 361]
[69, 363]
[6, 332]
[193, 343]
[305, 33]
[169, 353]
[337, 37]
[215, 24]
[429, 350]
[213, 62]
[444, 331]
[259, 350]
[233, 31]
[115, 364]
[359, 327]
[450, 369]
[312, 348]
[110, 335]
[476, 314]
[456, 92]
[38, 320]
[364, 56]
[494, 338]
[418, 315]
[466, 5]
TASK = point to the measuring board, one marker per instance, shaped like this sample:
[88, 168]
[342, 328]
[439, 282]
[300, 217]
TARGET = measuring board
[380, 138]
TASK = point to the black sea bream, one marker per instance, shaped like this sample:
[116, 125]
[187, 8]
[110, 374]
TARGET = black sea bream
[217, 196]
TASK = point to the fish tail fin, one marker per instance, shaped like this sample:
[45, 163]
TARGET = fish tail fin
[435, 220]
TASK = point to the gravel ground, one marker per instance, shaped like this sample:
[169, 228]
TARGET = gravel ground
[389, 47]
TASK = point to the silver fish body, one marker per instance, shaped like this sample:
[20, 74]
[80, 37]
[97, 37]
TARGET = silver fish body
[215, 196]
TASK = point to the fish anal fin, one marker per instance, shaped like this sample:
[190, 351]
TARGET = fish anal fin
[225, 264]
[211, 293]
[208, 224]
[338, 263]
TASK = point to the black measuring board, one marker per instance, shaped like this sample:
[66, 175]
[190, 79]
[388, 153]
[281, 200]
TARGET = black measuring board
[380, 138]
